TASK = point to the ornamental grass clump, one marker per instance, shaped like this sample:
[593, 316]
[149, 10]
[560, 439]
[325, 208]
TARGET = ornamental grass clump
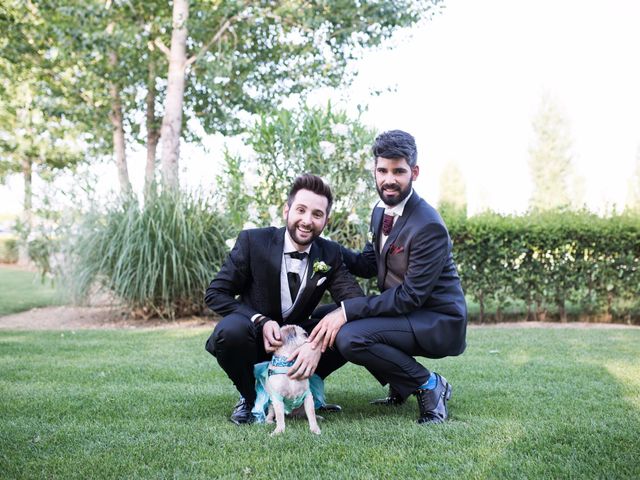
[157, 258]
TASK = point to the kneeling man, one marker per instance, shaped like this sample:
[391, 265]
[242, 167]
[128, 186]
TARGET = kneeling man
[421, 310]
[272, 277]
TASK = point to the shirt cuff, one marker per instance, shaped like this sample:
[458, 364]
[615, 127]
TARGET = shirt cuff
[344, 311]
[256, 317]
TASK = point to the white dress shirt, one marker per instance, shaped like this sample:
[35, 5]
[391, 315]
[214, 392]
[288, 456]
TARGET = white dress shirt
[291, 265]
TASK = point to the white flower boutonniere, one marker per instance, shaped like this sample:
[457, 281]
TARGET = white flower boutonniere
[321, 267]
[370, 236]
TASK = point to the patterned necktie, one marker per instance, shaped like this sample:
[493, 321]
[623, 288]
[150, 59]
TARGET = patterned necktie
[387, 224]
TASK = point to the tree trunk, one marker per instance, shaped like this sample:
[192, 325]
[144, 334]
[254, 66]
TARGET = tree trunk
[609, 313]
[172, 121]
[541, 312]
[562, 310]
[118, 132]
[27, 212]
[153, 134]
[481, 302]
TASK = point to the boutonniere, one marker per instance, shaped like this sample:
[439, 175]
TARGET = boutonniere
[370, 236]
[319, 266]
[395, 249]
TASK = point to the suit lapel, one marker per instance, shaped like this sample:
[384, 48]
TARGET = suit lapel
[274, 267]
[401, 221]
[395, 231]
[314, 255]
[376, 226]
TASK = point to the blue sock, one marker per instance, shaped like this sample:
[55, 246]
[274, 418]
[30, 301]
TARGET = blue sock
[432, 382]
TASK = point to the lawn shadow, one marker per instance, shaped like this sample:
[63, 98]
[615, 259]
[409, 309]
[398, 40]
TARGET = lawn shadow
[571, 416]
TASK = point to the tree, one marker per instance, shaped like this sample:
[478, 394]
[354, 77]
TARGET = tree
[259, 52]
[550, 158]
[33, 138]
[453, 191]
[223, 58]
[36, 135]
[96, 68]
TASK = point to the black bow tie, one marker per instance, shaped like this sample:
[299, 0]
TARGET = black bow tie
[298, 255]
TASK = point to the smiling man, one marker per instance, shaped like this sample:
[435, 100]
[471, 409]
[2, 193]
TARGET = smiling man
[272, 277]
[421, 310]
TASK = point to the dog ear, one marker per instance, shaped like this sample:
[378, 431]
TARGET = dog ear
[288, 333]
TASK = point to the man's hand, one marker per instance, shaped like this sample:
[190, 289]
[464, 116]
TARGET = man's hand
[306, 361]
[326, 330]
[271, 336]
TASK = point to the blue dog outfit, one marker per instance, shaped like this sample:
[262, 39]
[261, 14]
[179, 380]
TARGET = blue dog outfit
[279, 366]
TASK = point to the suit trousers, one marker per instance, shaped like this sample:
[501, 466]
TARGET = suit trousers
[385, 346]
[237, 345]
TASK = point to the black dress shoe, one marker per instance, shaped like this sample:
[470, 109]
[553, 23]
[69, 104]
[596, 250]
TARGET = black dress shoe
[242, 412]
[330, 408]
[433, 403]
[392, 398]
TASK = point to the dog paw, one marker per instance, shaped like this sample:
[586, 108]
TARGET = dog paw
[315, 430]
[277, 431]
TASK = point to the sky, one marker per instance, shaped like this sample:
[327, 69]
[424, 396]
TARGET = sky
[470, 82]
[467, 85]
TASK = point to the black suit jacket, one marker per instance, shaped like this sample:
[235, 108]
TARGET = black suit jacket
[252, 272]
[417, 278]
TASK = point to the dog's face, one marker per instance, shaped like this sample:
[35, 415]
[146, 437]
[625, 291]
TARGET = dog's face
[293, 336]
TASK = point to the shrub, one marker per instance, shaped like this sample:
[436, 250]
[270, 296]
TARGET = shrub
[8, 250]
[549, 260]
[287, 143]
[158, 258]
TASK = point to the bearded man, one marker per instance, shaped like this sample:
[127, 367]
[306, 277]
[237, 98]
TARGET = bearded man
[272, 277]
[421, 310]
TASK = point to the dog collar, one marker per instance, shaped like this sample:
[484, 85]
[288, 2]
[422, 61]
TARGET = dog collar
[280, 361]
[279, 365]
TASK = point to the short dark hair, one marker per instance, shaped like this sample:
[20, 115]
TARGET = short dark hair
[314, 184]
[396, 144]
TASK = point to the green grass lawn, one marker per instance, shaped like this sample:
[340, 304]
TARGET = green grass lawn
[22, 290]
[527, 403]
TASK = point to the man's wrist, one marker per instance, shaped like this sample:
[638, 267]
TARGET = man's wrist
[259, 320]
[344, 311]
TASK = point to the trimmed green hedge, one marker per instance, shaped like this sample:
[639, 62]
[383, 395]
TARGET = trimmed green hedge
[549, 261]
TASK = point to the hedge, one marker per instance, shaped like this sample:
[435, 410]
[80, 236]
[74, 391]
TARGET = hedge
[548, 261]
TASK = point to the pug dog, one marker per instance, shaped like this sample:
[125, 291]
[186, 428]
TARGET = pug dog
[285, 393]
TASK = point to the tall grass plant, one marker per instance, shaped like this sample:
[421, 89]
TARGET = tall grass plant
[158, 257]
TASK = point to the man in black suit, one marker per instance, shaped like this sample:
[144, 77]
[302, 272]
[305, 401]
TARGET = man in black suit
[279, 276]
[421, 310]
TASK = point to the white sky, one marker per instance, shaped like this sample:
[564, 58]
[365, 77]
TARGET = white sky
[469, 83]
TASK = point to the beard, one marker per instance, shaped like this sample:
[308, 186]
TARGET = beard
[298, 237]
[392, 201]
